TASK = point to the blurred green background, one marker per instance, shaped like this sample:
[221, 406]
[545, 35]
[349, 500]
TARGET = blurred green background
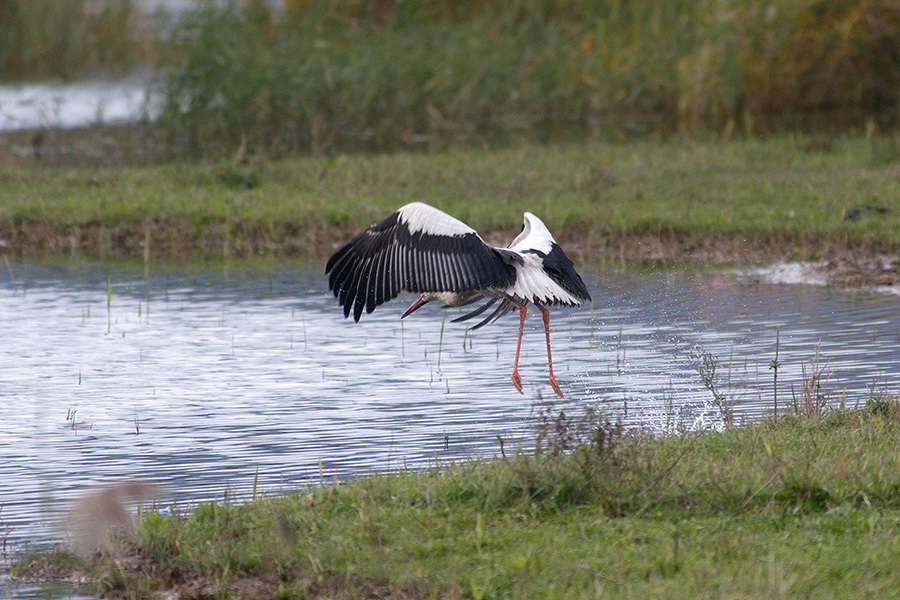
[315, 75]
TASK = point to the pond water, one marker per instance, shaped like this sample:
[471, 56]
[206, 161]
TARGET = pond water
[208, 378]
[73, 104]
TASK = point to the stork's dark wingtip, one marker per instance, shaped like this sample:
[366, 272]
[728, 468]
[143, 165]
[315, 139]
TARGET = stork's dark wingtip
[358, 306]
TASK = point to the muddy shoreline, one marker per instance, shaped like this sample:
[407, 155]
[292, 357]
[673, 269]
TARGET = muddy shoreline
[813, 261]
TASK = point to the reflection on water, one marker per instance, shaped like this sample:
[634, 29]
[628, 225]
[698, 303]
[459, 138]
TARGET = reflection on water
[206, 379]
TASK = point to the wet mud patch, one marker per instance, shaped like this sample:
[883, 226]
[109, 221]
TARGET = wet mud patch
[880, 272]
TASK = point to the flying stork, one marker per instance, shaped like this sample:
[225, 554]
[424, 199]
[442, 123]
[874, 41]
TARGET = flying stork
[424, 250]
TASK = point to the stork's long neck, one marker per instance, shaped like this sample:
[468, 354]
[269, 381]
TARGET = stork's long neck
[450, 298]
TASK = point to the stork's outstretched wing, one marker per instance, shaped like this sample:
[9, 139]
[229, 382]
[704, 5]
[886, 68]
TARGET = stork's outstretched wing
[416, 249]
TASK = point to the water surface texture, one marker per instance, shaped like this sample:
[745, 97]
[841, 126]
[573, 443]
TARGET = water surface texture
[207, 378]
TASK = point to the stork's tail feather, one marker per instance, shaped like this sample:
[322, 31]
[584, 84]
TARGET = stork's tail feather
[504, 307]
[477, 311]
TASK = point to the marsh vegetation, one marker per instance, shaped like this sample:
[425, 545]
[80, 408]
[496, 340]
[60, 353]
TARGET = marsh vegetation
[332, 75]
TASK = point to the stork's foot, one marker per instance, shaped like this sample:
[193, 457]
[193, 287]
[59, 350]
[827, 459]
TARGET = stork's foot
[555, 386]
[517, 381]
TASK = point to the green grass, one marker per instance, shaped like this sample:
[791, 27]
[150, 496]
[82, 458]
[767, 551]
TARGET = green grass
[805, 507]
[782, 197]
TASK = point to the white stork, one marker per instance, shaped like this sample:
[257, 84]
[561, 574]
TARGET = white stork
[424, 250]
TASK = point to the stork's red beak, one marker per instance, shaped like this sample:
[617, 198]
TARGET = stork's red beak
[421, 300]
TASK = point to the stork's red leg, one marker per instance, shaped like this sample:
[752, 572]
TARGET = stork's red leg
[546, 316]
[516, 379]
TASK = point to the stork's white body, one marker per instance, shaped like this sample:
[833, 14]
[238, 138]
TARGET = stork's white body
[422, 249]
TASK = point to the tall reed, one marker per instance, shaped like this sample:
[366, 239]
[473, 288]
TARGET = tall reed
[322, 72]
[69, 38]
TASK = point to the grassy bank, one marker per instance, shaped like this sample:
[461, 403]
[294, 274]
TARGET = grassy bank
[806, 506]
[659, 201]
